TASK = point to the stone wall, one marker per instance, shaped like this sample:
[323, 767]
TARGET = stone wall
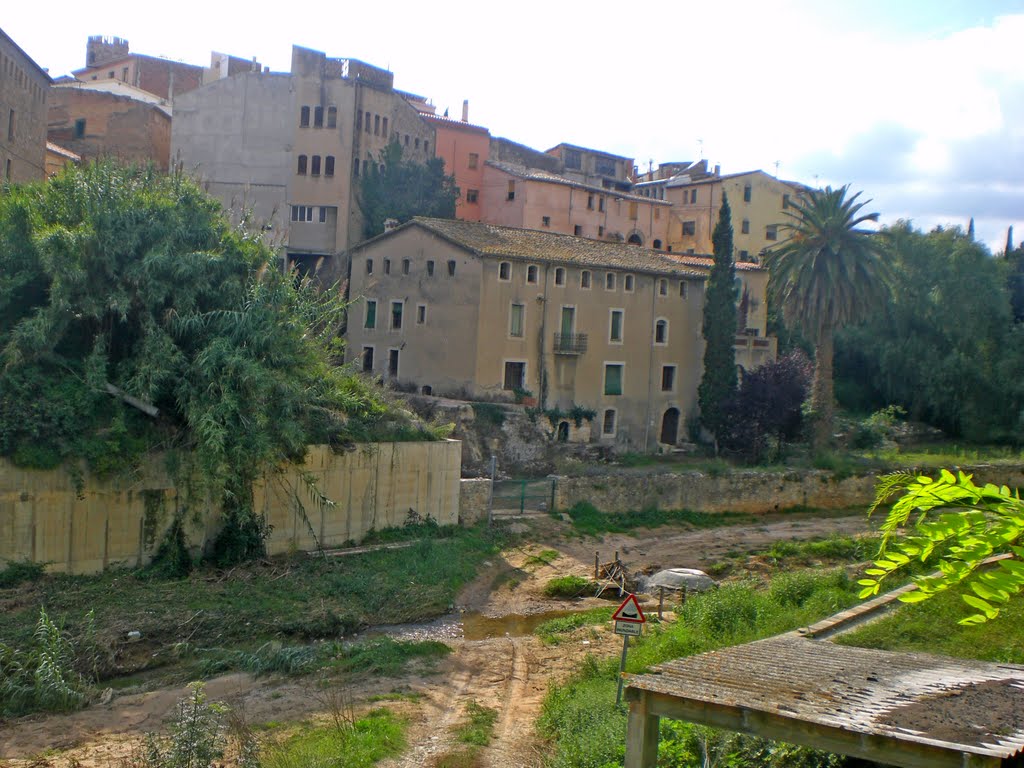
[45, 518]
[740, 491]
[474, 498]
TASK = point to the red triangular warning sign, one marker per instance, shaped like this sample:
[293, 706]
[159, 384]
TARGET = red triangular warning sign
[630, 611]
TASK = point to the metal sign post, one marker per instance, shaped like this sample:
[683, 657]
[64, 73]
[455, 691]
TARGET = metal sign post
[629, 622]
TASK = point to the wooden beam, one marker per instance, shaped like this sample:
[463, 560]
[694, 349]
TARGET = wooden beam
[134, 402]
[888, 750]
[641, 734]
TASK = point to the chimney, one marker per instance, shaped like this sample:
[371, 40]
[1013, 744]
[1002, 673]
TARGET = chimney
[390, 224]
[718, 170]
[465, 110]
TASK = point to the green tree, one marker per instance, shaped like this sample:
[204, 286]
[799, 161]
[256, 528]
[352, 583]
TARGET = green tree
[826, 274]
[960, 525]
[943, 346]
[718, 384]
[123, 287]
[396, 188]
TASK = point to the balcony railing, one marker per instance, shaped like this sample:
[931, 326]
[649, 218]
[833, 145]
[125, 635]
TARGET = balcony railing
[570, 343]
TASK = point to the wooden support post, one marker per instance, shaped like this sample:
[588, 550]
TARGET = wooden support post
[661, 601]
[597, 565]
[641, 733]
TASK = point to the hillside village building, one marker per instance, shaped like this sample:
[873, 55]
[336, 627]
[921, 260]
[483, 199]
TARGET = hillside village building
[57, 157]
[24, 91]
[108, 118]
[465, 149]
[291, 148]
[110, 58]
[469, 308]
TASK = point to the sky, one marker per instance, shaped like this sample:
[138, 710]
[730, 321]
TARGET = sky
[918, 104]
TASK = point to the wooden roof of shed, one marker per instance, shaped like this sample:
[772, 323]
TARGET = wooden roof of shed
[907, 703]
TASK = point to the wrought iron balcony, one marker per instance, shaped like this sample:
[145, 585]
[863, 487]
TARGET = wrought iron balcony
[570, 343]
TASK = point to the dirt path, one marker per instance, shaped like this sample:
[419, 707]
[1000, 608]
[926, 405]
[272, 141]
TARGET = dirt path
[508, 673]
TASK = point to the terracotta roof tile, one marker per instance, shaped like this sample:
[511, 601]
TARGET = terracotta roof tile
[536, 174]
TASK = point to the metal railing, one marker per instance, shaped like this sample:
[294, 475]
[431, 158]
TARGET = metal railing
[570, 343]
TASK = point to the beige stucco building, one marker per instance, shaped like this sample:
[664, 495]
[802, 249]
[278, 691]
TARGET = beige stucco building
[24, 92]
[481, 310]
[758, 202]
[290, 148]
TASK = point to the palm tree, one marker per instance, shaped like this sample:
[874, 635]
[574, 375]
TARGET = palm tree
[825, 275]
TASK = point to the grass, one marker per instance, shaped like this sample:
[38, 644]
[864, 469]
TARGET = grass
[545, 557]
[373, 738]
[476, 732]
[16, 572]
[588, 520]
[567, 586]
[581, 718]
[931, 626]
[550, 631]
[284, 600]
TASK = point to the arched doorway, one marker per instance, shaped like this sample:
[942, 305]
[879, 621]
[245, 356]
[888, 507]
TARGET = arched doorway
[670, 427]
[563, 432]
[635, 239]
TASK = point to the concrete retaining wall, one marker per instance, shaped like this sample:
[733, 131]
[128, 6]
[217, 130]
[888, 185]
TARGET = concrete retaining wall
[741, 491]
[121, 522]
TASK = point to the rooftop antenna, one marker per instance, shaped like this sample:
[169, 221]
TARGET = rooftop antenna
[700, 143]
[776, 167]
[650, 165]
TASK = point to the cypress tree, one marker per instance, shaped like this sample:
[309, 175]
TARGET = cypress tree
[970, 229]
[718, 384]
[1009, 242]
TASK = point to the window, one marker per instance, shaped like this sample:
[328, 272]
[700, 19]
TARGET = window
[615, 326]
[516, 315]
[515, 376]
[472, 195]
[657, 243]
[387, 266]
[451, 268]
[359, 120]
[304, 117]
[661, 332]
[693, 195]
[323, 214]
[7, 169]
[572, 159]
[332, 117]
[367, 359]
[668, 378]
[430, 268]
[405, 266]
[302, 213]
[370, 319]
[416, 144]
[10, 126]
[79, 126]
[628, 283]
[376, 125]
[511, 190]
[632, 211]
[689, 228]
[604, 166]
[474, 159]
[744, 255]
[318, 117]
[366, 123]
[301, 170]
[393, 363]
[577, 230]
[613, 378]
[407, 139]
[384, 127]
[785, 202]
[745, 227]
[746, 193]
[600, 204]
[396, 315]
[663, 287]
[608, 422]
[531, 274]
[771, 232]
[124, 74]
[545, 221]
[609, 281]
[600, 231]
[504, 271]
[585, 278]
[426, 145]
[329, 165]
[590, 202]
[682, 289]
[355, 167]
[369, 266]
[559, 276]
[315, 171]
[421, 314]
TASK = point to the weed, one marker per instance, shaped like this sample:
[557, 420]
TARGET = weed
[196, 735]
[375, 737]
[568, 586]
[384, 656]
[551, 630]
[479, 728]
[590, 521]
[489, 413]
[546, 557]
[19, 571]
